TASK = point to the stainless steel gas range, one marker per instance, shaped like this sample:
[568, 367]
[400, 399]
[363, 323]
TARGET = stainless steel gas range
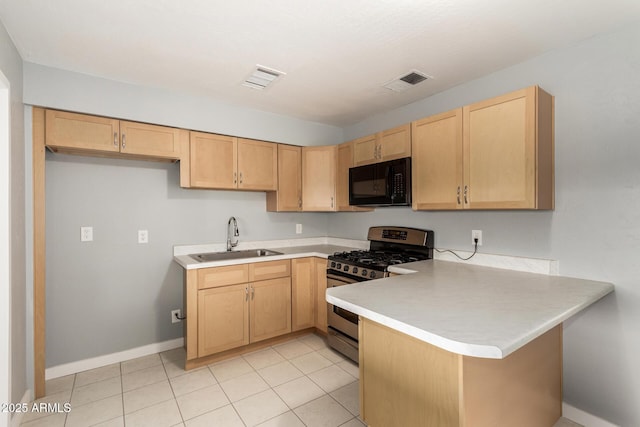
[388, 246]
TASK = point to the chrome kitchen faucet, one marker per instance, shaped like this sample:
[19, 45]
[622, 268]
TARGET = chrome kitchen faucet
[234, 225]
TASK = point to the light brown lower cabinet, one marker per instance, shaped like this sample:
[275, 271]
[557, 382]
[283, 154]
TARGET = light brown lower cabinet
[321, 289]
[269, 308]
[303, 296]
[308, 288]
[238, 305]
[233, 306]
[408, 382]
[223, 318]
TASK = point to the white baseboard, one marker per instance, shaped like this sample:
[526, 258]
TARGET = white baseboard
[108, 359]
[584, 418]
[16, 420]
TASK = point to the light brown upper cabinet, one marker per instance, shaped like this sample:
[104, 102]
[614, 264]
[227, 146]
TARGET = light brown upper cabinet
[365, 150]
[506, 159]
[386, 145]
[436, 171]
[288, 197]
[100, 136]
[227, 162]
[319, 178]
[257, 165]
[345, 161]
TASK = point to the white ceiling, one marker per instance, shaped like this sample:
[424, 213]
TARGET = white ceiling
[337, 53]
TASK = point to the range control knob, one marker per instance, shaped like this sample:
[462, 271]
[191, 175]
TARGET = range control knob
[346, 268]
[355, 270]
[364, 272]
[338, 266]
[333, 264]
[372, 274]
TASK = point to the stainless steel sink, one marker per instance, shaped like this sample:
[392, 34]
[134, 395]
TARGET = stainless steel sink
[223, 256]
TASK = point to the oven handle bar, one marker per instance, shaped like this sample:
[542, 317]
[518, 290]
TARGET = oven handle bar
[343, 277]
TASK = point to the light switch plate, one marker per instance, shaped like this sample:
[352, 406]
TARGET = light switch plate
[86, 234]
[143, 236]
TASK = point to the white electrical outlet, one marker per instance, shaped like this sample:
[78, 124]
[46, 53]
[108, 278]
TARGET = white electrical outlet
[298, 228]
[176, 316]
[143, 236]
[86, 234]
[476, 234]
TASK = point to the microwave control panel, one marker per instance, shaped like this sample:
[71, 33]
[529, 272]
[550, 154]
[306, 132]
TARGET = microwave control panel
[398, 184]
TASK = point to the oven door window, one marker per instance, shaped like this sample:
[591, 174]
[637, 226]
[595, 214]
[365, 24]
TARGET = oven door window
[347, 315]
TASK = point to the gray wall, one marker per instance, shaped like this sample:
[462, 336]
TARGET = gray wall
[51, 87]
[595, 229]
[113, 294]
[11, 66]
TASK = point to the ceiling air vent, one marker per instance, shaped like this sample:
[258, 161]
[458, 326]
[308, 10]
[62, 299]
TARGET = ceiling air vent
[262, 77]
[402, 83]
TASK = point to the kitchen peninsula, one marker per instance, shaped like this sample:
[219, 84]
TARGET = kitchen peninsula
[460, 345]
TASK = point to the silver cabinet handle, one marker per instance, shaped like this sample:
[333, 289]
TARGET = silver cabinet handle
[253, 293]
[115, 140]
[300, 202]
[458, 194]
[235, 177]
[466, 191]
[246, 292]
[240, 177]
[332, 201]
[124, 141]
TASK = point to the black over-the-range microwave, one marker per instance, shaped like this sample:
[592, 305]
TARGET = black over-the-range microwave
[381, 184]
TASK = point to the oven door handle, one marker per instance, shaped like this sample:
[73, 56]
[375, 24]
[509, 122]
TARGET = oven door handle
[343, 277]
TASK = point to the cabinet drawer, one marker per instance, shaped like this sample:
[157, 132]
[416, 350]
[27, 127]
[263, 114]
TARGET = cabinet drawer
[222, 276]
[269, 270]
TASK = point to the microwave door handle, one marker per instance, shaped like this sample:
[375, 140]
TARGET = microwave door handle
[389, 183]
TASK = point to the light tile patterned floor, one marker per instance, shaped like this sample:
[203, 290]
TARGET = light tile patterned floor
[299, 383]
[295, 384]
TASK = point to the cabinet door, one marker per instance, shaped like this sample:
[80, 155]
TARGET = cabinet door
[319, 178]
[303, 294]
[150, 140]
[257, 165]
[500, 151]
[365, 150]
[223, 318]
[437, 162]
[270, 312]
[321, 290]
[81, 132]
[213, 160]
[395, 143]
[288, 197]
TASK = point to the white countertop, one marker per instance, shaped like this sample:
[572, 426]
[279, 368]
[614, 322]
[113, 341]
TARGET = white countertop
[466, 309]
[320, 247]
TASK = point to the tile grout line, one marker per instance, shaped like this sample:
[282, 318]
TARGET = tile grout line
[227, 396]
[175, 398]
[124, 419]
[73, 387]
